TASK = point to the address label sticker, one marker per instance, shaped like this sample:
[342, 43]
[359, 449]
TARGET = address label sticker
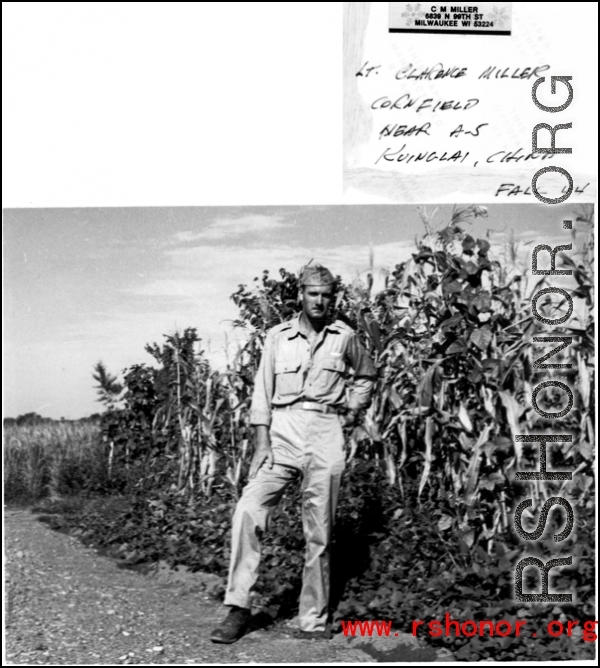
[485, 18]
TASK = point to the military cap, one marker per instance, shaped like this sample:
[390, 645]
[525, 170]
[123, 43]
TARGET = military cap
[315, 274]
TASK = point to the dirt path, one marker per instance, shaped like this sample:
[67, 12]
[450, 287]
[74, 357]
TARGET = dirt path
[67, 605]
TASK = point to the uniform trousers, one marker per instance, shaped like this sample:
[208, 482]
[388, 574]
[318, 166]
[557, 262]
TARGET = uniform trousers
[306, 443]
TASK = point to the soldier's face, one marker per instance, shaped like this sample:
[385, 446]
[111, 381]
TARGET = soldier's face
[316, 300]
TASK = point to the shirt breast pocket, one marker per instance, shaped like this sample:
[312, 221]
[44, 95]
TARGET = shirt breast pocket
[333, 371]
[288, 379]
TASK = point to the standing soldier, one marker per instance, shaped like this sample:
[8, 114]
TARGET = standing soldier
[299, 407]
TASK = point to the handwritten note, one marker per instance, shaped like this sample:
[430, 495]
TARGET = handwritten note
[449, 117]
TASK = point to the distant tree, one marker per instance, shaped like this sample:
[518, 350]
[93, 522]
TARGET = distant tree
[108, 386]
[109, 390]
[31, 418]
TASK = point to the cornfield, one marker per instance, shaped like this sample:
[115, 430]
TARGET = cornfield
[39, 459]
[452, 335]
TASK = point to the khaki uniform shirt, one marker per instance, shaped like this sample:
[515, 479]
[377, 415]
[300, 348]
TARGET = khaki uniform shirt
[291, 369]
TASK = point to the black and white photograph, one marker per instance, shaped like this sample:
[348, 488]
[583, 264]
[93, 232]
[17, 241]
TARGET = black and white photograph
[299, 333]
[290, 423]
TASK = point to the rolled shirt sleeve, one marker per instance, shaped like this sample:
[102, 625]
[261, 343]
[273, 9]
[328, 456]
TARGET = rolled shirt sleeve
[260, 410]
[365, 375]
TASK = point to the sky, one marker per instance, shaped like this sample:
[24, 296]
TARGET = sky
[84, 285]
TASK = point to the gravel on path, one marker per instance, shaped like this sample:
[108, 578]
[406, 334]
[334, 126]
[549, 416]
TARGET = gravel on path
[67, 605]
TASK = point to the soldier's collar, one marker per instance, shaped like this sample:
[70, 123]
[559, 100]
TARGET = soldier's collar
[295, 327]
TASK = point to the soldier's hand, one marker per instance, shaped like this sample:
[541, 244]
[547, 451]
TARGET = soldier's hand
[349, 419]
[263, 452]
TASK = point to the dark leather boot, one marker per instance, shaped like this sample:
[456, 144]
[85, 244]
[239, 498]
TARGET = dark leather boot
[233, 627]
[313, 635]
